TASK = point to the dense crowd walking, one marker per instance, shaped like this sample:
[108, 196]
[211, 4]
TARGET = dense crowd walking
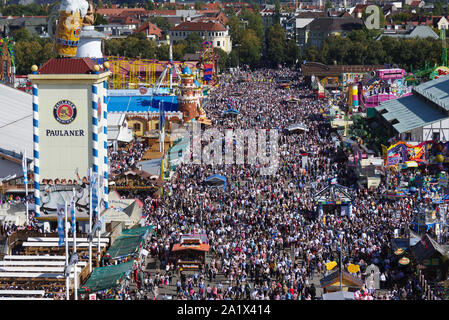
[266, 239]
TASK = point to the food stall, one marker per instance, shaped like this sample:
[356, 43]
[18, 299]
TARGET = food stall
[190, 252]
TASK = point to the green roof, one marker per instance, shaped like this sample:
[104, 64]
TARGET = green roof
[128, 242]
[104, 278]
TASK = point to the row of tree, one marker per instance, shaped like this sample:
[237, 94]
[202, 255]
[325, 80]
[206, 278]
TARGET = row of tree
[31, 50]
[257, 43]
[360, 48]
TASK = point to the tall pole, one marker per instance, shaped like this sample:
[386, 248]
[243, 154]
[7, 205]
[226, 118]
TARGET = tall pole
[74, 247]
[98, 226]
[25, 172]
[67, 279]
[98, 251]
[171, 66]
[341, 262]
[90, 220]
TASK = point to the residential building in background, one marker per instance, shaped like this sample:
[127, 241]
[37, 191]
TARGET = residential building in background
[409, 32]
[315, 32]
[214, 32]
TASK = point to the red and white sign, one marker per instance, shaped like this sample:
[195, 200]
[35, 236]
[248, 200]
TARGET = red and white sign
[93, 296]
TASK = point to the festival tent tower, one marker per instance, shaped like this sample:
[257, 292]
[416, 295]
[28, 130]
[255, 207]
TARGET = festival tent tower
[69, 110]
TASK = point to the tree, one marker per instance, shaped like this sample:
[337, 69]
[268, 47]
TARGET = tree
[179, 51]
[163, 52]
[27, 53]
[99, 19]
[236, 30]
[328, 6]
[250, 49]
[275, 42]
[149, 5]
[437, 8]
[292, 53]
[312, 54]
[162, 23]
[112, 47]
[233, 59]
[222, 58]
[255, 22]
[21, 34]
[192, 43]
[198, 5]
[277, 13]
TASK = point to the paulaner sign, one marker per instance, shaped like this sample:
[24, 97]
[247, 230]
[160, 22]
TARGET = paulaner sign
[64, 133]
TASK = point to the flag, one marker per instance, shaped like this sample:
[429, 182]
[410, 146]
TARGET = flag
[24, 168]
[94, 195]
[61, 216]
[161, 115]
[72, 212]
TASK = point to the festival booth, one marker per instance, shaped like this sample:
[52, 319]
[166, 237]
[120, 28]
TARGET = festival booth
[232, 111]
[190, 252]
[432, 258]
[333, 197]
[349, 282]
[424, 219]
[216, 180]
[297, 127]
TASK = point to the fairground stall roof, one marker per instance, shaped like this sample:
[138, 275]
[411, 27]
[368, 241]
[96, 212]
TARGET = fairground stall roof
[428, 104]
[321, 70]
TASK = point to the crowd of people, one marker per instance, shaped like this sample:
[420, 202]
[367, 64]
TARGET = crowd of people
[126, 158]
[265, 238]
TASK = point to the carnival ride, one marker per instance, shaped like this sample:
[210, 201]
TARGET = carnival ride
[384, 85]
[130, 73]
[207, 65]
[7, 59]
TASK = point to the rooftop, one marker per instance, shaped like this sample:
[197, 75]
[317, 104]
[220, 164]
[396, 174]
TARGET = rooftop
[199, 26]
[333, 24]
[428, 104]
[68, 66]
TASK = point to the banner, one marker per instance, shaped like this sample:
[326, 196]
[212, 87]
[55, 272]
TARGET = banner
[161, 116]
[401, 152]
[73, 216]
[61, 231]
[24, 168]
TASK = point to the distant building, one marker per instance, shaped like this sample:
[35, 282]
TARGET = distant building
[116, 30]
[214, 32]
[107, 13]
[36, 25]
[314, 33]
[422, 32]
[151, 31]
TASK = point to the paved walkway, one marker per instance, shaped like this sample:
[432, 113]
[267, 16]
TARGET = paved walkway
[150, 266]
